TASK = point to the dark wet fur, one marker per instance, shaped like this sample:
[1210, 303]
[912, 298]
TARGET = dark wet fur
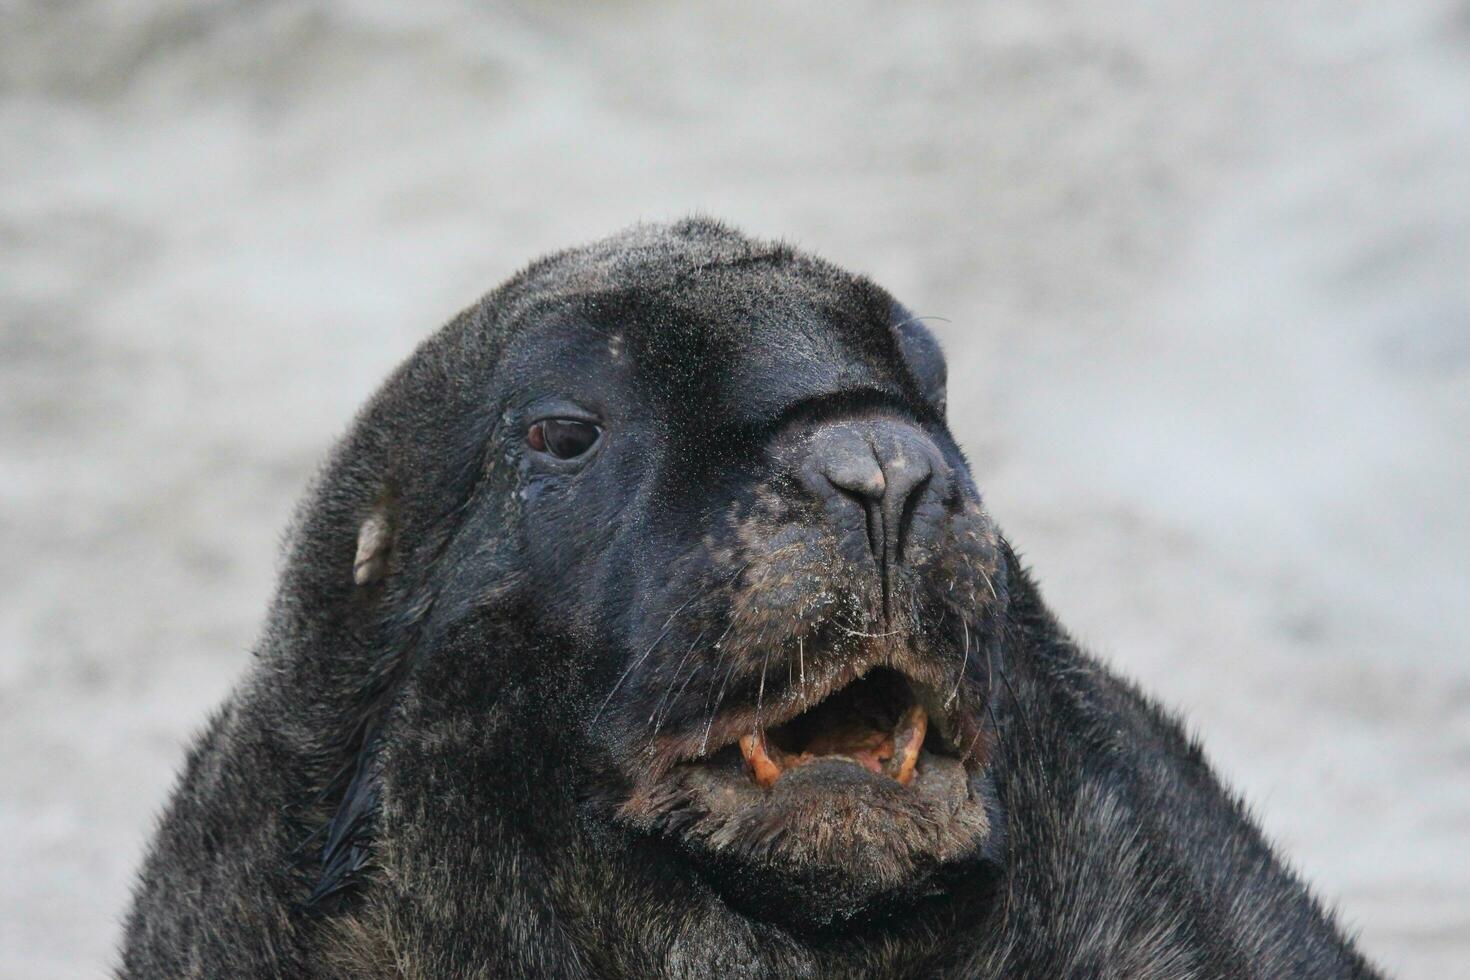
[404, 784]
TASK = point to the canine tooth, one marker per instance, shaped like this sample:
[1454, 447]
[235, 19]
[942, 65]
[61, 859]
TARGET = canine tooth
[908, 738]
[763, 769]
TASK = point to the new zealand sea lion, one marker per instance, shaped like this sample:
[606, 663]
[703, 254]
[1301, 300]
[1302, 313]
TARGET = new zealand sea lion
[649, 623]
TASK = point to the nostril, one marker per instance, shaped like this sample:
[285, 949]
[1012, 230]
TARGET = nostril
[907, 473]
[872, 509]
[906, 515]
[858, 474]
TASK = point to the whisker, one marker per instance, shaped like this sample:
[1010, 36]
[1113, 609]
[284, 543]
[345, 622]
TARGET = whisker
[677, 694]
[642, 657]
[662, 633]
[989, 704]
[677, 671]
[801, 663]
[988, 584]
[761, 693]
[964, 622]
[866, 636]
[1021, 713]
[920, 319]
[719, 662]
[709, 726]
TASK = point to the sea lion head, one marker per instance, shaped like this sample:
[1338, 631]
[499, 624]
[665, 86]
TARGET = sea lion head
[708, 482]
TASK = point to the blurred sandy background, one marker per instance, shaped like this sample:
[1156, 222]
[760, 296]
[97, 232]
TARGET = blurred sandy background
[1205, 268]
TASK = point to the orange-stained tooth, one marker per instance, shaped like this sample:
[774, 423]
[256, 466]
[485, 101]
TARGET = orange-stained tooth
[763, 768]
[908, 739]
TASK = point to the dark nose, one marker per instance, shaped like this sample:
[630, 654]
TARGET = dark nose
[874, 476]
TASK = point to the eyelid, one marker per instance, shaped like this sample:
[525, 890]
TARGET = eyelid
[558, 408]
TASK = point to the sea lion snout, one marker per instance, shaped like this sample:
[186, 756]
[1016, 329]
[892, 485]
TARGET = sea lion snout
[882, 482]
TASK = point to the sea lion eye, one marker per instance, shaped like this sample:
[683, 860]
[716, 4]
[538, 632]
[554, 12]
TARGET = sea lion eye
[563, 438]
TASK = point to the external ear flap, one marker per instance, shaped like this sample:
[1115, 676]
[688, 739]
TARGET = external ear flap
[374, 538]
[923, 356]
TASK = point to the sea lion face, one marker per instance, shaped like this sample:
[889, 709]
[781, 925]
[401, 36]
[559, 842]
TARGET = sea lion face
[741, 516]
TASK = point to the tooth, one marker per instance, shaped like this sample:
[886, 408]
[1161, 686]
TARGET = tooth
[908, 738]
[763, 769]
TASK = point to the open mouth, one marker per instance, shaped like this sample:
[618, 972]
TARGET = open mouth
[880, 778]
[877, 723]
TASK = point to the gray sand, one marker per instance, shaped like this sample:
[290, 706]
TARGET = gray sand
[1205, 275]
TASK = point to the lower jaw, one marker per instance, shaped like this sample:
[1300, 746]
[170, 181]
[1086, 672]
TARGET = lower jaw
[829, 818]
[832, 845]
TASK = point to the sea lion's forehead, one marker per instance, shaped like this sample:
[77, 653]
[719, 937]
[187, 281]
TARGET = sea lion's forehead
[739, 345]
